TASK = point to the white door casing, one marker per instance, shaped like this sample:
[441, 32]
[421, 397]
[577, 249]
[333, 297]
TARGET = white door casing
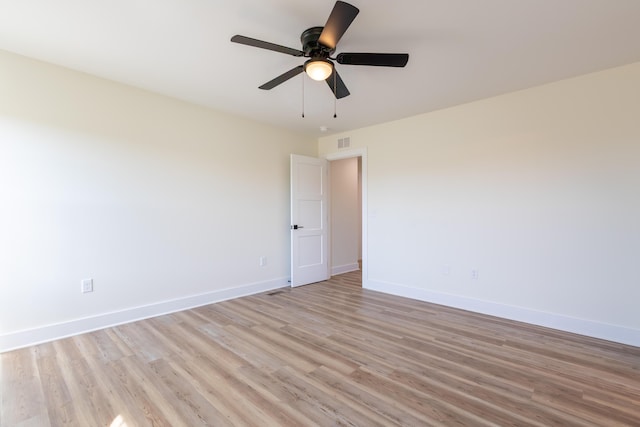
[309, 220]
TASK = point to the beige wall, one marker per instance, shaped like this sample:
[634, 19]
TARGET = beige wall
[537, 191]
[164, 204]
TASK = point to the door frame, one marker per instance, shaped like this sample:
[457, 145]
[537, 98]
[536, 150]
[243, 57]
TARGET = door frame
[347, 154]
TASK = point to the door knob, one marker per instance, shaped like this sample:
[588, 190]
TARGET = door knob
[295, 227]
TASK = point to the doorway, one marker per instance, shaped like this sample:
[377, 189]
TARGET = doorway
[345, 215]
[348, 212]
[317, 250]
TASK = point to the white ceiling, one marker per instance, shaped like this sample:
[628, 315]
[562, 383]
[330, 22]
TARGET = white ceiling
[460, 50]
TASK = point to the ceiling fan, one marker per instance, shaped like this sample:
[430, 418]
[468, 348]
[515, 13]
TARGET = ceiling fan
[318, 44]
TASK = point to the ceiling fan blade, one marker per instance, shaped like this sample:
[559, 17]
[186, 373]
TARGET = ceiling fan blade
[339, 20]
[340, 88]
[282, 78]
[374, 59]
[266, 45]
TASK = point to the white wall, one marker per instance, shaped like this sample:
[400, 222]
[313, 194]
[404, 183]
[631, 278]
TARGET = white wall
[345, 215]
[538, 191]
[164, 204]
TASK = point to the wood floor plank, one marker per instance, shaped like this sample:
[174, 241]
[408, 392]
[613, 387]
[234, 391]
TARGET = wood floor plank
[106, 379]
[315, 401]
[58, 399]
[133, 391]
[396, 412]
[325, 354]
[90, 404]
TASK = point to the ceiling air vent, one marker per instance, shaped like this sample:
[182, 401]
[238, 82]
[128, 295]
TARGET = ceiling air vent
[344, 142]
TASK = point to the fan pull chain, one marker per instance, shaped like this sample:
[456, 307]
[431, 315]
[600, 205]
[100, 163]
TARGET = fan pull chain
[335, 93]
[303, 96]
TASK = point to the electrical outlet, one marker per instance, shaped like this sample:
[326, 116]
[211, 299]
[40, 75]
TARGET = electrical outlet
[87, 286]
[263, 261]
[475, 274]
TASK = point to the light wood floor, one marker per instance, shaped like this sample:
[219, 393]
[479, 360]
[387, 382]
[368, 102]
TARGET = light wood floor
[324, 354]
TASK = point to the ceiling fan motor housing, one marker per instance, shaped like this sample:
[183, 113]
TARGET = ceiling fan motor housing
[310, 45]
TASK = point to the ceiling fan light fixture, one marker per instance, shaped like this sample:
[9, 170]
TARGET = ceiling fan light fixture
[318, 68]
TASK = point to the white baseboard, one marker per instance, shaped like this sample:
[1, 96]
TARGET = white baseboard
[29, 337]
[341, 269]
[589, 328]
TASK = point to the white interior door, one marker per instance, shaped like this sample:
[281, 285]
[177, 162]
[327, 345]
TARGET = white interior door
[309, 220]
